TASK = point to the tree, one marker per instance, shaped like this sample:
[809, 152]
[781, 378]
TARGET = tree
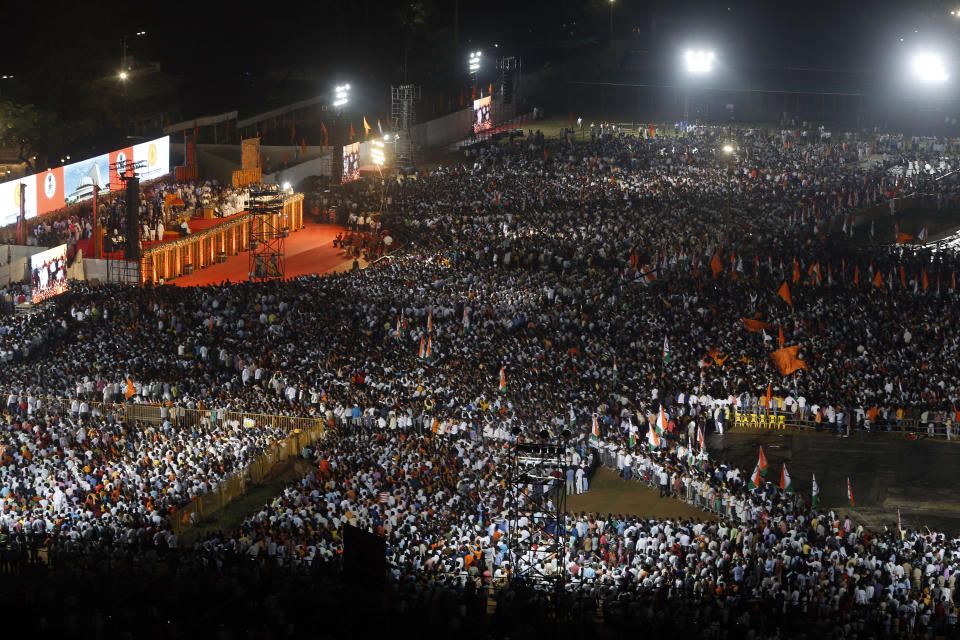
[38, 136]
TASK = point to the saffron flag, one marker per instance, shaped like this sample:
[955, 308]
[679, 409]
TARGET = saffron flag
[780, 329]
[430, 321]
[767, 400]
[429, 346]
[762, 462]
[503, 381]
[878, 281]
[787, 361]
[754, 325]
[130, 390]
[786, 484]
[351, 132]
[716, 265]
[903, 238]
[784, 293]
[850, 493]
[815, 492]
[366, 127]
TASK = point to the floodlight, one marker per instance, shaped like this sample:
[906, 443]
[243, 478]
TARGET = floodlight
[342, 95]
[475, 61]
[123, 75]
[286, 186]
[930, 68]
[376, 152]
[699, 61]
[727, 148]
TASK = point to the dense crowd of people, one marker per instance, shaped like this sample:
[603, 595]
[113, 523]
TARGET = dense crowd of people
[597, 286]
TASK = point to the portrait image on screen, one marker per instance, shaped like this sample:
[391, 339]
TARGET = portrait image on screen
[351, 162]
[48, 273]
[481, 114]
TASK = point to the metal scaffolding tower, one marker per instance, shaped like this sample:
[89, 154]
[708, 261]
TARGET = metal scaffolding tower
[403, 115]
[267, 256]
[538, 502]
[508, 94]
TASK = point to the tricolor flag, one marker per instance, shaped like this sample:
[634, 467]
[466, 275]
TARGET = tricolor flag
[633, 440]
[595, 429]
[661, 420]
[430, 321]
[615, 371]
[652, 438]
[850, 493]
[429, 346]
[815, 492]
[756, 478]
[700, 437]
[666, 351]
[923, 235]
[762, 462]
[503, 381]
[423, 352]
[466, 318]
[399, 328]
[786, 484]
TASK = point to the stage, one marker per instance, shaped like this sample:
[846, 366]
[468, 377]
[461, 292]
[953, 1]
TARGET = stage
[309, 250]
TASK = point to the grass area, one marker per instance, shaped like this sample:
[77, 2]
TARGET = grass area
[608, 493]
[229, 518]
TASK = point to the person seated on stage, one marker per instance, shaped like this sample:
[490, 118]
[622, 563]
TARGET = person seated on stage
[184, 228]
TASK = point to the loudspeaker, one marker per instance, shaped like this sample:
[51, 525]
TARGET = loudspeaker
[132, 249]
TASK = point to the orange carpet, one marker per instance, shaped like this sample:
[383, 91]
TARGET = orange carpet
[309, 250]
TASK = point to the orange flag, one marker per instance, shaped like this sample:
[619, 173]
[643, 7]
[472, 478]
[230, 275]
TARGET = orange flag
[717, 265]
[878, 281]
[351, 132]
[787, 361]
[856, 276]
[768, 397]
[926, 283]
[323, 130]
[780, 330]
[130, 390]
[785, 293]
[754, 325]
[366, 127]
[903, 238]
[903, 277]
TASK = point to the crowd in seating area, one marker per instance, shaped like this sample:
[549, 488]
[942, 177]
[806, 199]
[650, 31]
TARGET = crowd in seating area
[543, 285]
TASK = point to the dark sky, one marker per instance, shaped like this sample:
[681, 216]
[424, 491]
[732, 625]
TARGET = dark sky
[213, 44]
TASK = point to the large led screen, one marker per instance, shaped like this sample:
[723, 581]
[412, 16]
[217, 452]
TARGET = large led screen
[351, 161]
[48, 271]
[52, 189]
[481, 114]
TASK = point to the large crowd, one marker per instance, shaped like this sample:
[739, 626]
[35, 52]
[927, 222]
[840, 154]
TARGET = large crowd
[554, 283]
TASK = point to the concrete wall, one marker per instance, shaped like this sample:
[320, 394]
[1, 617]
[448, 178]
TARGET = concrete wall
[13, 272]
[443, 131]
[97, 270]
[319, 166]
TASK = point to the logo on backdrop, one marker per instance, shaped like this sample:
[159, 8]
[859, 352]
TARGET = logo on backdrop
[16, 196]
[121, 163]
[50, 185]
[152, 154]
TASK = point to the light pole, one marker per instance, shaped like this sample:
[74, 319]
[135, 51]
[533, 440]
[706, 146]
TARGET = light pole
[611, 20]
[474, 67]
[697, 62]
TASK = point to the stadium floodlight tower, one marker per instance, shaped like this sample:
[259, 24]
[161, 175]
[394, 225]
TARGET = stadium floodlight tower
[473, 65]
[697, 63]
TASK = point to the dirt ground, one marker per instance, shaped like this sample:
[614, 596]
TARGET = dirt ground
[608, 493]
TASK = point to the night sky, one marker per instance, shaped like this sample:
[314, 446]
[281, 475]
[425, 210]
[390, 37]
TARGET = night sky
[224, 56]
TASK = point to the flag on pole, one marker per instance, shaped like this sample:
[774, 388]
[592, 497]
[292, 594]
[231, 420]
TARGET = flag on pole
[503, 381]
[762, 463]
[653, 440]
[429, 346]
[430, 321]
[595, 429]
[923, 235]
[700, 437]
[366, 127]
[850, 493]
[786, 484]
[615, 371]
[756, 478]
[466, 318]
[661, 421]
[399, 328]
[130, 389]
[667, 356]
[815, 492]
[766, 404]
[423, 351]
[633, 440]
[784, 293]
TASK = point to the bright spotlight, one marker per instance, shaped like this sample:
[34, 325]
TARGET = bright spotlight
[342, 95]
[475, 61]
[699, 60]
[123, 75]
[376, 152]
[930, 68]
[286, 186]
[727, 148]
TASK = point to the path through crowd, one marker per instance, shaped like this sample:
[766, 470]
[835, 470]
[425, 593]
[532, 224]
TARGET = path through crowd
[609, 493]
